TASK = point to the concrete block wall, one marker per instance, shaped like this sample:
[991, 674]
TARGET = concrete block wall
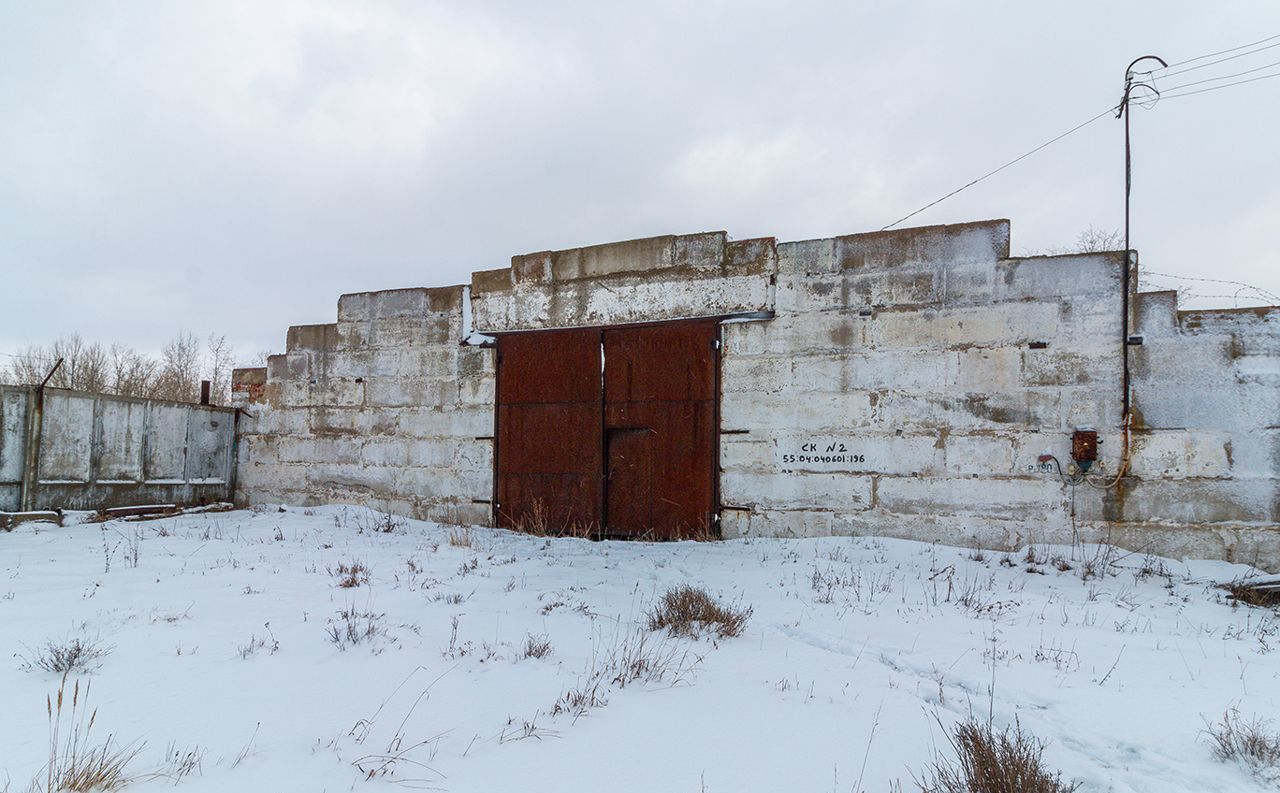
[1206, 397]
[385, 407]
[910, 381]
[903, 383]
[671, 277]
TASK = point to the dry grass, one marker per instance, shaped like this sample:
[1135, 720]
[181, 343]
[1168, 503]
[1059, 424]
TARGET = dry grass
[181, 762]
[355, 627]
[1252, 743]
[78, 654]
[702, 532]
[76, 763]
[460, 537]
[351, 575]
[990, 761]
[688, 611]
[536, 646]
[537, 523]
[1240, 592]
[256, 643]
[632, 657]
[374, 522]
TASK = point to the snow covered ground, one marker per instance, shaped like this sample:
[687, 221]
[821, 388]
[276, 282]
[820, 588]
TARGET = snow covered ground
[219, 634]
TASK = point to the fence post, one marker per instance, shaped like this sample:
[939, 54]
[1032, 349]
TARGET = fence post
[31, 449]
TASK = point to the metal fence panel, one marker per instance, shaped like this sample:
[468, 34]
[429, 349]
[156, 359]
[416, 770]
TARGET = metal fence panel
[93, 451]
[13, 435]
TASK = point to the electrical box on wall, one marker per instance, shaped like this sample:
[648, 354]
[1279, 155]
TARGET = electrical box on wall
[1084, 448]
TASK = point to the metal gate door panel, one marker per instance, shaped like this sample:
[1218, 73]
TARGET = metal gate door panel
[549, 463]
[628, 486]
[659, 384]
[630, 451]
[653, 363]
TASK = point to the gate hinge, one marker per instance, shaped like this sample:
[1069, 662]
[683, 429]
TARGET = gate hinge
[715, 344]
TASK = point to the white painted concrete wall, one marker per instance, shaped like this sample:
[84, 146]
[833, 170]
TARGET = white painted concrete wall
[98, 450]
[934, 367]
[385, 407]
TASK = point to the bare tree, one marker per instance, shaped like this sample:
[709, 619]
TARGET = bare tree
[180, 365]
[132, 373]
[1093, 240]
[85, 367]
[258, 359]
[120, 369]
[221, 360]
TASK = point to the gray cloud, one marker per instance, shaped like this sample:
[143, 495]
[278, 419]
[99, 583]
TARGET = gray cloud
[234, 167]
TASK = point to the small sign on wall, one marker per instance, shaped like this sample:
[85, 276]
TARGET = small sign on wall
[819, 453]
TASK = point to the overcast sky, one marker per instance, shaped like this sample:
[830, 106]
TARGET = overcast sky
[233, 167]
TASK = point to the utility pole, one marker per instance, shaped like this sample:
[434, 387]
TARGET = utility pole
[1123, 111]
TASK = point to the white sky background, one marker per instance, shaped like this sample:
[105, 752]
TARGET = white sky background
[234, 167]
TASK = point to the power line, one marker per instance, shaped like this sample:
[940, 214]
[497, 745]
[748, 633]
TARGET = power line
[1213, 63]
[1224, 77]
[989, 174]
[1084, 124]
[1218, 87]
[1212, 54]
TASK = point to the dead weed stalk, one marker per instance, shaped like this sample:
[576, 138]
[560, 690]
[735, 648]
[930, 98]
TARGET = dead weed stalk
[76, 763]
[992, 761]
[687, 610]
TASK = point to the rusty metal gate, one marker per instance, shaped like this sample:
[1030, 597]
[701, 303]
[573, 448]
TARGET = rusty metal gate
[611, 430]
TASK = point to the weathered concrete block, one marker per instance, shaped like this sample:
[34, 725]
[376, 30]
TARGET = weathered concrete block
[981, 455]
[1180, 454]
[1094, 275]
[437, 422]
[754, 375]
[692, 251]
[476, 391]
[410, 391]
[983, 368]
[868, 370]
[764, 411]
[984, 241]
[699, 251]
[319, 338]
[746, 452]
[1195, 502]
[782, 491]
[836, 449]
[385, 451]
[994, 410]
[502, 280]
[968, 283]
[996, 325]
[352, 478]
[1155, 313]
[755, 256]
[805, 258]
[966, 496]
[1052, 366]
[798, 334]
[476, 361]
[359, 420]
[776, 523]
[855, 289]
